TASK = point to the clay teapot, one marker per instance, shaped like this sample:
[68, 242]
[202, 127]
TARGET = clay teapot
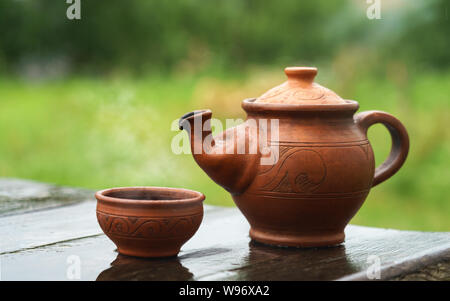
[300, 166]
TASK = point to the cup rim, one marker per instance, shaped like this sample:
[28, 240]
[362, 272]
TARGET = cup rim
[195, 196]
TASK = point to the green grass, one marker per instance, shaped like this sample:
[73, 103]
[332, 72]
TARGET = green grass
[99, 133]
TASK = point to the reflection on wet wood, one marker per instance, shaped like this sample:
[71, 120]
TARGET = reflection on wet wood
[40, 243]
[435, 272]
[21, 196]
[45, 227]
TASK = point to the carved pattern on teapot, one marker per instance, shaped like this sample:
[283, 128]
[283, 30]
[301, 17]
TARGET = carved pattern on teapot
[299, 170]
[282, 93]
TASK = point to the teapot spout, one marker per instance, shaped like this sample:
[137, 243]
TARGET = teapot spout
[217, 156]
[198, 126]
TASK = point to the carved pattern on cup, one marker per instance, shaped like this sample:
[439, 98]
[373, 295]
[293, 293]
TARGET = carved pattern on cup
[146, 227]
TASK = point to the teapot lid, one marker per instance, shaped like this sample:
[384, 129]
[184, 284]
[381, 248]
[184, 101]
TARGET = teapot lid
[300, 88]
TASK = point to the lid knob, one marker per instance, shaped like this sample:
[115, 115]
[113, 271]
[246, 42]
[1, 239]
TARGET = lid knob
[300, 89]
[304, 76]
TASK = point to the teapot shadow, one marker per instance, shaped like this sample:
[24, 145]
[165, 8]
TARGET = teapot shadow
[266, 263]
[140, 269]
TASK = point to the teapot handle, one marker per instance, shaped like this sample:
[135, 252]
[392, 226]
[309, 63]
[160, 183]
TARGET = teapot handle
[400, 142]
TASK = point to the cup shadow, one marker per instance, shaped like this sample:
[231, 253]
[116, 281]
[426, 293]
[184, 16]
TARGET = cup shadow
[141, 269]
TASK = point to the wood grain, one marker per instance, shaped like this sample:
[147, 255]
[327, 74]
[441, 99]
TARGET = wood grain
[37, 246]
[19, 196]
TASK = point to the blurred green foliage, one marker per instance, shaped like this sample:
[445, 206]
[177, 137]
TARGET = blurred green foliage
[99, 133]
[154, 35]
[91, 102]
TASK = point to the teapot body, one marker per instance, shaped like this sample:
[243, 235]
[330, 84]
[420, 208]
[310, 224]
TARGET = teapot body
[323, 171]
[311, 167]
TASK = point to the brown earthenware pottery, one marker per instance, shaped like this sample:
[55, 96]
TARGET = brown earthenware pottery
[322, 165]
[149, 221]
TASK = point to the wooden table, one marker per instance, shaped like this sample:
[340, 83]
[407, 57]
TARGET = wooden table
[49, 230]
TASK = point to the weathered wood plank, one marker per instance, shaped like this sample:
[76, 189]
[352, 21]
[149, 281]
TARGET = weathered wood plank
[19, 196]
[40, 228]
[435, 272]
[96, 253]
[39, 239]
[222, 250]
[43, 227]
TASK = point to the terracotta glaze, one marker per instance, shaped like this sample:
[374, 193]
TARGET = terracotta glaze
[323, 164]
[300, 88]
[149, 221]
